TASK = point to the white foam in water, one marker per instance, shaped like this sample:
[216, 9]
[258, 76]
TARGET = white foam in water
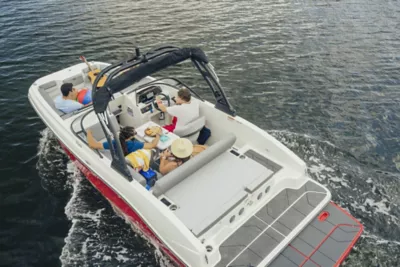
[77, 215]
[356, 205]
[162, 260]
[44, 144]
[379, 240]
[381, 206]
[279, 133]
[75, 181]
[43, 148]
[105, 257]
[84, 220]
[122, 258]
[78, 252]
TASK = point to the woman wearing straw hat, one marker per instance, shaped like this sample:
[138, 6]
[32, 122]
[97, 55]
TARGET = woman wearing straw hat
[181, 151]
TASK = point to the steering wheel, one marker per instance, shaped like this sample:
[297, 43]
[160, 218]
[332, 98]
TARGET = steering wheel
[163, 98]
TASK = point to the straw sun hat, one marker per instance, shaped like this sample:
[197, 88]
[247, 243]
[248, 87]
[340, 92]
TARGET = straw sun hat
[182, 148]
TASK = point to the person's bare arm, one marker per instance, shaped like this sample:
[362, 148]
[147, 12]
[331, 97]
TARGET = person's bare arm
[165, 165]
[161, 106]
[92, 142]
[153, 143]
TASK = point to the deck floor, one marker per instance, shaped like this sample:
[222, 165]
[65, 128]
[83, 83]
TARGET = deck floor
[264, 231]
[322, 242]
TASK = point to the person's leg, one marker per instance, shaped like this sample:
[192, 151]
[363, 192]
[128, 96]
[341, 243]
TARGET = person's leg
[171, 127]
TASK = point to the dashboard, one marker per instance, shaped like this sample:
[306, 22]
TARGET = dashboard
[145, 98]
[147, 95]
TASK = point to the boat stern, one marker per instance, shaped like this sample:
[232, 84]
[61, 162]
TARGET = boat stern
[326, 241]
[296, 228]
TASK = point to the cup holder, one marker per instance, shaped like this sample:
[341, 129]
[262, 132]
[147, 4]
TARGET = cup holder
[267, 189]
[241, 211]
[173, 207]
[209, 248]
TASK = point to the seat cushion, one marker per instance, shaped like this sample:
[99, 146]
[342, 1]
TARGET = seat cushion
[191, 128]
[49, 100]
[214, 190]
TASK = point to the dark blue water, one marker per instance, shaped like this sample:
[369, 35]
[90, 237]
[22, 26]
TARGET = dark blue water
[322, 77]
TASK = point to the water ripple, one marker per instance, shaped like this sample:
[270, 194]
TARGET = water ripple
[329, 69]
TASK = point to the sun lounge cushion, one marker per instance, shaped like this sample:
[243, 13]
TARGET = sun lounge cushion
[179, 174]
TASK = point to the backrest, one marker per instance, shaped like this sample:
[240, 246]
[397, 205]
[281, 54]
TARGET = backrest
[135, 175]
[48, 92]
[94, 66]
[185, 170]
[75, 80]
[192, 127]
[98, 132]
[51, 90]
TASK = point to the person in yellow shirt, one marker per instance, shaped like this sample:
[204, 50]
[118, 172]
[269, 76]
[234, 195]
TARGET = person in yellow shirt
[139, 160]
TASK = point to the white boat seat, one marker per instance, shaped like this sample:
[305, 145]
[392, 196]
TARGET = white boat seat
[192, 129]
[75, 80]
[135, 175]
[98, 132]
[182, 172]
[45, 89]
[139, 178]
[51, 90]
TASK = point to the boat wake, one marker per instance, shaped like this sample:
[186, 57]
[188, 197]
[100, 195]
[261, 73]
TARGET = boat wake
[52, 165]
[97, 236]
[370, 195]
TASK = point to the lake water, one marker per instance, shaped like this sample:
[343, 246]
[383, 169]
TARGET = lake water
[323, 77]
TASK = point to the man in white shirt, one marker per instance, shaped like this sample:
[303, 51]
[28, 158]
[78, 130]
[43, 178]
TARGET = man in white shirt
[183, 112]
[67, 102]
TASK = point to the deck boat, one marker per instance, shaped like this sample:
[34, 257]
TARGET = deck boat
[247, 200]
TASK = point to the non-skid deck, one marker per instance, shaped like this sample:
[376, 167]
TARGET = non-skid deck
[262, 233]
[326, 241]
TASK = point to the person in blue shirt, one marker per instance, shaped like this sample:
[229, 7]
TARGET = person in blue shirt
[127, 140]
[67, 101]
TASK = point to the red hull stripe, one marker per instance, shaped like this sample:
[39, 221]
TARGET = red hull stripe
[116, 200]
